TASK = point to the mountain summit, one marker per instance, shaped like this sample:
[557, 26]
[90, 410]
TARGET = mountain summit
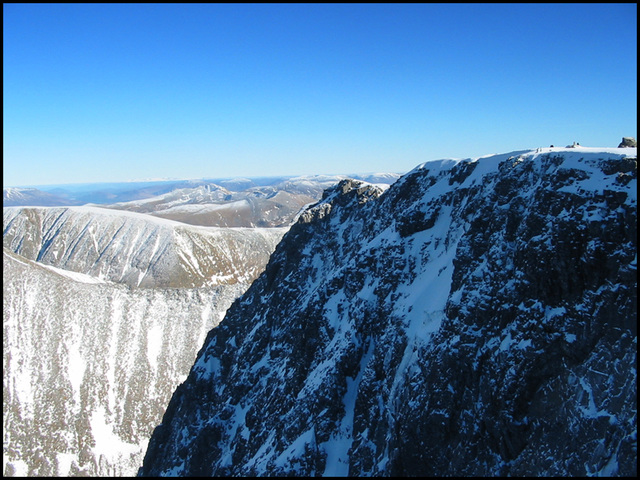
[477, 318]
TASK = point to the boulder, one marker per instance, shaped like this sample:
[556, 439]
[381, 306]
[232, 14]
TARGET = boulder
[628, 142]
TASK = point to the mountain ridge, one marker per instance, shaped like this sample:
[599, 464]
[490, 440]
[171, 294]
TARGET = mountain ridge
[137, 249]
[457, 324]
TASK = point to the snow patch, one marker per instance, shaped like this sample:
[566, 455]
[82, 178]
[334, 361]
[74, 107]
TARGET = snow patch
[107, 442]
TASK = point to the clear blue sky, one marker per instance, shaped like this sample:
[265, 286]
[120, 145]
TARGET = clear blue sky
[112, 92]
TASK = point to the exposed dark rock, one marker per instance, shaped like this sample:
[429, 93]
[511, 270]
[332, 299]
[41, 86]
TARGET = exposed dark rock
[476, 319]
[628, 142]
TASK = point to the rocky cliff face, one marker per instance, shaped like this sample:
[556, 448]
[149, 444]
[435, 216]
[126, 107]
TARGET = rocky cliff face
[478, 318]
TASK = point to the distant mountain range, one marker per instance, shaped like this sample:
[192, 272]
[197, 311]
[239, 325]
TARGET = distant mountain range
[249, 205]
[13, 196]
[165, 198]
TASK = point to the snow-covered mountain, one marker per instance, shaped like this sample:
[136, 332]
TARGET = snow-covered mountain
[103, 314]
[477, 318]
[135, 249]
[217, 206]
[95, 193]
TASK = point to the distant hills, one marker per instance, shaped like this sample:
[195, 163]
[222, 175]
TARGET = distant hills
[124, 192]
[29, 197]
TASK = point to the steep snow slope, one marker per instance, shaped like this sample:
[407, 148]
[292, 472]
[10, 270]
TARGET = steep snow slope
[478, 318]
[136, 249]
[89, 366]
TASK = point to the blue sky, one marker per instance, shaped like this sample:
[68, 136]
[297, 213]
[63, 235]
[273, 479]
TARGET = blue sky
[112, 92]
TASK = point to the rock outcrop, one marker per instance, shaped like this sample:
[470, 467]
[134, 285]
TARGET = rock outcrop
[628, 142]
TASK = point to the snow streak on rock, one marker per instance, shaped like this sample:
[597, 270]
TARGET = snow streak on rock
[478, 318]
[90, 366]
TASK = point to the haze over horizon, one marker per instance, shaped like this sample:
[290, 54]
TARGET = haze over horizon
[118, 92]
